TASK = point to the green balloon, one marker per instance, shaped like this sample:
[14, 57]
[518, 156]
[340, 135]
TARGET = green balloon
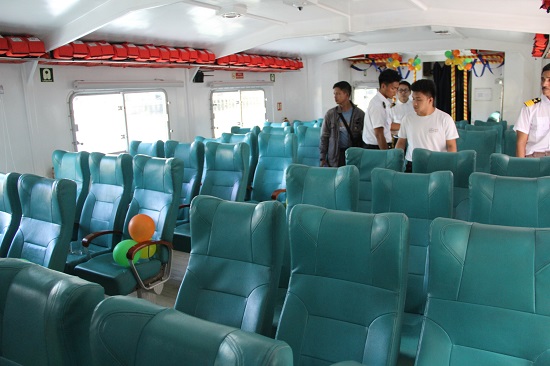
[119, 253]
[448, 54]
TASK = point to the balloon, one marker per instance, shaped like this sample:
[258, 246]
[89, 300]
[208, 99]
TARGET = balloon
[460, 67]
[395, 63]
[456, 53]
[417, 62]
[468, 67]
[418, 67]
[395, 56]
[448, 62]
[141, 227]
[390, 59]
[119, 253]
[448, 54]
[411, 67]
[410, 61]
[148, 252]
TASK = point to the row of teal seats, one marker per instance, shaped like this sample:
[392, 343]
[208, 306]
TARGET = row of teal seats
[108, 208]
[505, 140]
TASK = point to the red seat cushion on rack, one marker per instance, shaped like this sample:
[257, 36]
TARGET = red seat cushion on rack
[3, 45]
[184, 55]
[293, 64]
[174, 54]
[287, 63]
[232, 59]
[143, 54]
[132, 50]
[107, 50]
[255, 60]
[164, 54]
[192, 54]
[246, 59]
[36, 46]
[64, 52]
[223, 61]
[211, 56]
[119, 52]
[94, 51]
[202, 57]
[300, 65]
[17, 47]
[240, 59]
[154, 53]
[80, 49]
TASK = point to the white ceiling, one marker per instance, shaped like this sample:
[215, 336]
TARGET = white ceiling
[277, 27]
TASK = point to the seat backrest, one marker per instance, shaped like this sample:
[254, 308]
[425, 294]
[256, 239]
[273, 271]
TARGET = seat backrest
[47, 221]
[461, 124]
[510, 201]
[10, 210]
[276, 153]
[519, 167]
[462, 164]
[74, 166]
[277, 130]
[157, 192]
[366, 160]
[235, 262]
[45, 315]
[129, 331]
[509, 143]
[496, 127]
[483, 142]
[308, 145]
[242, 130]
[504, 124]
[276, 124]
[486, 281]
[342, 290]
[154, 149]
[422, 197]
[110, 194]
[332, 188]
[252, 141]
[226, 170]
[192, 156]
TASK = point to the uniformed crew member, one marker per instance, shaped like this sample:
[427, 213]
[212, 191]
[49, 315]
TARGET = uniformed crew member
[377, 130]
[533, 125]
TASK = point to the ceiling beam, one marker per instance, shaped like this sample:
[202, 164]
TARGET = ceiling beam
[89, 21]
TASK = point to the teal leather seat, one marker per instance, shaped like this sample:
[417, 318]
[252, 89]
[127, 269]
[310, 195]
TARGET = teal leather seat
[129, 331]
[504, 124]
[157, 194]
[509, 201]
[192, 156]
[225, 177]
[460, 125]
[45, 315]
[483, 142]
[366, 160]
[10, 211]
[347, 289]
[204, 140]
[509, 143]
[242, 130]
[496, 127]
[505, 165]
[297, 123]
[308, 145]
[276, 124]
[105, 207]
[235, 263]
[277, 152]
[154, 149]
[461, 164]
[422, 197]
[252, 141]
[277, 130]
[488, 301]
[74, 166]
[47, 221]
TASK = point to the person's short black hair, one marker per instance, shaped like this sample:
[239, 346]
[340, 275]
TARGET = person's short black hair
[406, 83]
[545, 68]
[424, 86]
[388, 76]
[343, 86]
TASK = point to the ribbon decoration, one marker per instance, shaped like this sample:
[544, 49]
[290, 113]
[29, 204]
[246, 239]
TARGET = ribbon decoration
[545, 5]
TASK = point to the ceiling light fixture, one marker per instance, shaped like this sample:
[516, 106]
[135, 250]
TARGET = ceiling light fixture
[295, 3]
[337, 38]
[232, 12]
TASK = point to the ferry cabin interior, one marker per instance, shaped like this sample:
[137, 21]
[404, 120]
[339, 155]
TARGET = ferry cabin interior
[188, 60]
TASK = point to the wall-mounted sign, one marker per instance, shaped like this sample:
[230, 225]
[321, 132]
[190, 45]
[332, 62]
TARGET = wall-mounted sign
[238, 75]
[46, 74]
[272, 77]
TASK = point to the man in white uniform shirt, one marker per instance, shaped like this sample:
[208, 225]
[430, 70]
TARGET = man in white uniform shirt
[533, 125]
[429, 128]
[376, 131]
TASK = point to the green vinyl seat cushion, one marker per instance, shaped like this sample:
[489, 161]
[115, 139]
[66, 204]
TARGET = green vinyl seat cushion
[505, 165]
[10, 210]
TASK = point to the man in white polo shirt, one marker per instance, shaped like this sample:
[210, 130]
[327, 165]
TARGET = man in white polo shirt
[533, 125]
[429, 128]
[376, 132]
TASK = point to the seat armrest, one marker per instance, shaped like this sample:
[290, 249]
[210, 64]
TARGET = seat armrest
[277, 192]
[166, 269]
[184, 205]
[88, 238]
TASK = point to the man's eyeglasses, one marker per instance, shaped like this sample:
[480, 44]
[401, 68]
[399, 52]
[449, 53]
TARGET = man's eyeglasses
[403, 90]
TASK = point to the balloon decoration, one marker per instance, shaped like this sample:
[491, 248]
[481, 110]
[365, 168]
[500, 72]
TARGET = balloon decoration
[119, 253]
[454, 58]
[141, 228]
[545, 5]
[414, 64]
[394, 61]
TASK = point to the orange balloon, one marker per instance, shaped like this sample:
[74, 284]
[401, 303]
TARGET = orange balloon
[456, 53]
[141, 227]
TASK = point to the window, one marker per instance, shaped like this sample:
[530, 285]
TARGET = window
[363, 95]
[107, 122]
[245, 108]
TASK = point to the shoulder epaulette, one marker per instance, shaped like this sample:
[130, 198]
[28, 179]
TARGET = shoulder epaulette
[532, 102]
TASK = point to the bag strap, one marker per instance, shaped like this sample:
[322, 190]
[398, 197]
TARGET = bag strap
[345, 123]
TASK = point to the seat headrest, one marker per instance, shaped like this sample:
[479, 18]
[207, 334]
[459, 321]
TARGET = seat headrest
[230, 157]
[462, 164]
[157, 174]
[8, 191]
[71, 165]
[112, 170]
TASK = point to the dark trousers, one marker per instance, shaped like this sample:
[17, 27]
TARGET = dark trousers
[375, 147]
[408, 166]
[342, 157]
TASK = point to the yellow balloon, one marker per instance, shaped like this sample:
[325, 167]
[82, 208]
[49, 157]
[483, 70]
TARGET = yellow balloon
[448, 62]
[148, 252]
[395, 63]
[418, 67]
